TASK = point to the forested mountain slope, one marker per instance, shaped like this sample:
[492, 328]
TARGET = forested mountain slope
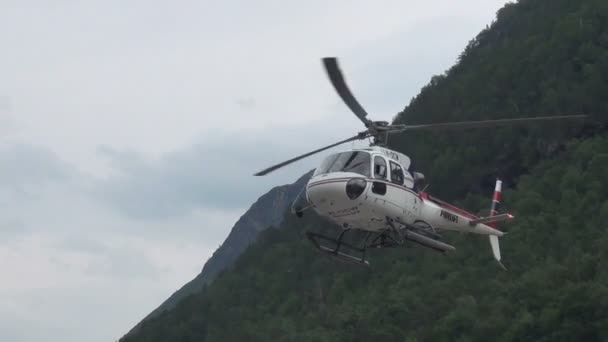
[268, 210]
[540, 57]
[556, 288]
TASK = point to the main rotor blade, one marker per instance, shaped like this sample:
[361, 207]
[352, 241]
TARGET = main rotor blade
[486, 123]
[337, 79]
[362, 135]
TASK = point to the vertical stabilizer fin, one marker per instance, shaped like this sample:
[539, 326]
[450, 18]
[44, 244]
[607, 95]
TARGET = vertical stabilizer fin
[496, 249]
[496, 199]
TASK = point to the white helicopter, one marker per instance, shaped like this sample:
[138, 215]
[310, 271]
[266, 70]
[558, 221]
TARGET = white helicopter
[374, 189]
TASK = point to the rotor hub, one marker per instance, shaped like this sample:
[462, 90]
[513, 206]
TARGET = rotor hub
[380, 123]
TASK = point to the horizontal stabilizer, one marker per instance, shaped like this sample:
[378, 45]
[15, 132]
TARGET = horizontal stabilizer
[489, 219]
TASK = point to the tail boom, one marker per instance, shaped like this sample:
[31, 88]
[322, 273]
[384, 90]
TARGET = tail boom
[491, 220]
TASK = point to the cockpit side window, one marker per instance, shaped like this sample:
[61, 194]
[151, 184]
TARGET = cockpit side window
[379, 167]
[397, 176]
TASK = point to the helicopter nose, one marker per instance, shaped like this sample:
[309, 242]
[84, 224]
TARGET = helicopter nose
[335, 193]
[326, 194]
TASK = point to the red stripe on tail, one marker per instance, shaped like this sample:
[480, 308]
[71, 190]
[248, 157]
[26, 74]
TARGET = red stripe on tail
[496, 199]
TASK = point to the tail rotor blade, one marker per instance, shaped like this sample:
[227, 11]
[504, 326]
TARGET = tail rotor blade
[337, 79]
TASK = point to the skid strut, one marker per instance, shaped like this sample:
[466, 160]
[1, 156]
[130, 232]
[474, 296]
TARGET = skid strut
[389, 237]
[339, 244]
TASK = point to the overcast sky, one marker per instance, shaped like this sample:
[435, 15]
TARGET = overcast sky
[130, 130]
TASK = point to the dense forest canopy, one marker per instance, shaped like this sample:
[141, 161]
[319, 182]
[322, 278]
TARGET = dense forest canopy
[540, 57]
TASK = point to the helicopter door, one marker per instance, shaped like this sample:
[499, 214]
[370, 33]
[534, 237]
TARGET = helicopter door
[404, 198]
[396, 173]
[380, 172]
[401, 177]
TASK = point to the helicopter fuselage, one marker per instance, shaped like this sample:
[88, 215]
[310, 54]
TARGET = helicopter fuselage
[365, 198]
[368, 211]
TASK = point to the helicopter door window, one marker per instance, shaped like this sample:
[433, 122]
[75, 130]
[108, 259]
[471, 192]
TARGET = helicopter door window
[396, 173]
[379, 167]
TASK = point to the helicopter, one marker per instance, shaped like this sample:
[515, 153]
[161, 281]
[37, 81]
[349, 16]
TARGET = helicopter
[375, 190]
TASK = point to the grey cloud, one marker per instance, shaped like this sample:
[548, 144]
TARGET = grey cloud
[246, 103]
[12, 327]
[82, 244]
[106, 260]
[122, 263]
[7, 124]
[23, 164]
[181, 181]
[39, 193]
[5, 104]
[11, 229]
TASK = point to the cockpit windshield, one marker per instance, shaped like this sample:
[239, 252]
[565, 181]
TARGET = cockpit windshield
[353, 161]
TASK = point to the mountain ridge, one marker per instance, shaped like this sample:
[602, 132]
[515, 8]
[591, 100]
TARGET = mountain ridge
[244, 232]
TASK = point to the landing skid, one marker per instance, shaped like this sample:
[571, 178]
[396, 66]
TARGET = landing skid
[390, 237]
[338, 244]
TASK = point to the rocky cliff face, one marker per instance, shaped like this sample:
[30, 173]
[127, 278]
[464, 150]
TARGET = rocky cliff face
[268, 211]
